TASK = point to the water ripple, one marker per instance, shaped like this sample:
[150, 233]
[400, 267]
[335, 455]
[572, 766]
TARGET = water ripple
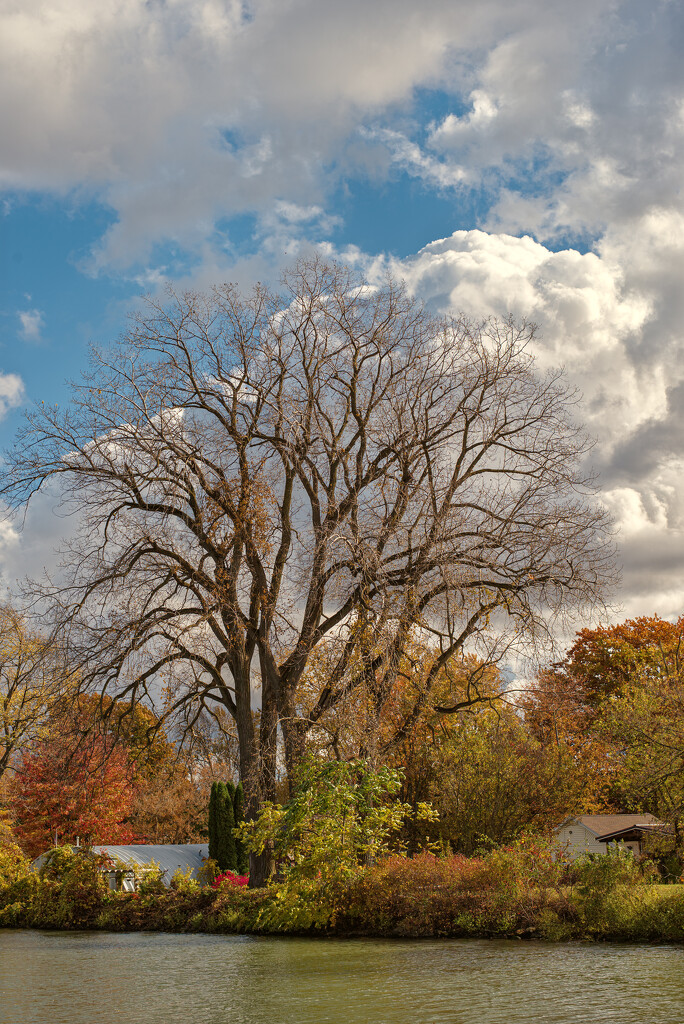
[138, 978]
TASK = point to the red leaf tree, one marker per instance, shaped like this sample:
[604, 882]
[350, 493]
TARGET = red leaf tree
[73, 786]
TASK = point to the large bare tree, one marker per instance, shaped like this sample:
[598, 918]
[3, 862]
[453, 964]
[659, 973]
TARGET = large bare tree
[260, 475]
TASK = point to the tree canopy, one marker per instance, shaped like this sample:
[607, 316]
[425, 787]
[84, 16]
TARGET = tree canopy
[259, 475]
[615, 702]
[69, 787]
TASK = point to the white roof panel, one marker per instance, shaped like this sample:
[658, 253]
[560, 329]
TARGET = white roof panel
[169, 858]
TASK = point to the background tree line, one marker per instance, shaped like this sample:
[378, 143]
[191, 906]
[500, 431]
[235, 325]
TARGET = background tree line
[601, 730]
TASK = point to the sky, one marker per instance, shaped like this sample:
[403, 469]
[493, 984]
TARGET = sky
[501, 156]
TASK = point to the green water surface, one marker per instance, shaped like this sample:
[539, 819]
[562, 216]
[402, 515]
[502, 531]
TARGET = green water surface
[138, 978]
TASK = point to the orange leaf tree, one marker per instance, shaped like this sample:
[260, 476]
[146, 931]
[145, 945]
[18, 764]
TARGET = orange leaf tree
[573, 705]
[73, 786]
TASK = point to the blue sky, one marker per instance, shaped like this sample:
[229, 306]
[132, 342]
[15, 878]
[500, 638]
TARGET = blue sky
[509, 155]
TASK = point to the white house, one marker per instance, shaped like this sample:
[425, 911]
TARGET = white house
[587, 833]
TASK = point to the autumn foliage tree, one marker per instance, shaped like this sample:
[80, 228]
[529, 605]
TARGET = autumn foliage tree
[601, 663]
[472, 757]
[615, 703]
[169, 808]
[168, 804]
[644, 726]
[66, 790]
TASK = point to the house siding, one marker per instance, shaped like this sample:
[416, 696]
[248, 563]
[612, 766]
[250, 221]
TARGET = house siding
[576, 840]
[580, 835]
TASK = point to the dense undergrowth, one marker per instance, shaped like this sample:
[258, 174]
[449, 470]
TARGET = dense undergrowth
[517, 891]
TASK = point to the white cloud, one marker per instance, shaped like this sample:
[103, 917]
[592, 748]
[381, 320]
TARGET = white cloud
[29, 545]
[11, 392]
[10, 546]
[31, 324]
[409, 156]
[587, 318]
[186, 111]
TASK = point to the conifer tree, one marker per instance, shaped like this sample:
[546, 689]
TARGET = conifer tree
[213, 832]
[226, 852]
[239, 815]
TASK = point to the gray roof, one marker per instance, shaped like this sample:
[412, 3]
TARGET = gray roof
[168, 857]
[604, 824]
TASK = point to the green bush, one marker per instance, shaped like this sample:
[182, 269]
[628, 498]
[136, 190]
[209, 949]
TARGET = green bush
[182, 881]
[598, 885]
[151, 882]
[13, 863]
[69, 891]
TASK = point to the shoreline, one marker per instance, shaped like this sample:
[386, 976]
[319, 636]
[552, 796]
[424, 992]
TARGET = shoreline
[335, 936]
[522, 894]
[639, 915]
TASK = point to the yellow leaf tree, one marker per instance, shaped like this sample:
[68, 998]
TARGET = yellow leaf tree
[30, 684]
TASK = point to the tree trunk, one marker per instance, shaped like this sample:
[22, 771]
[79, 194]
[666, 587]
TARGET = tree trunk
[260, 869]
[258, 759]
[294, 736]
[268, 735]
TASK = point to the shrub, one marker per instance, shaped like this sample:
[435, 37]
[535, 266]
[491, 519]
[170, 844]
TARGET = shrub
[530, 863]
[182, 881]
[663, 851]
[502, 892]
[342, 814]
[150, 882]
[230, 880]
[69, 889]
[515, 890]
[13, 863]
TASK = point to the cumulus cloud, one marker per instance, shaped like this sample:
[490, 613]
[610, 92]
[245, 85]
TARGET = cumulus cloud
[183, 112]
[652, 545]
[588, 319]
[29, 544]
[10, 547]
[596, 321]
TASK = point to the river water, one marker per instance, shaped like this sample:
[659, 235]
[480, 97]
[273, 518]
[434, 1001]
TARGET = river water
[150, 978]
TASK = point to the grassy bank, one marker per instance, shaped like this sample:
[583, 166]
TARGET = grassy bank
[507, 893]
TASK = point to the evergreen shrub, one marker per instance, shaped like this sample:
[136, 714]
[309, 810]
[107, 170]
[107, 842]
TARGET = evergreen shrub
[226, 852]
